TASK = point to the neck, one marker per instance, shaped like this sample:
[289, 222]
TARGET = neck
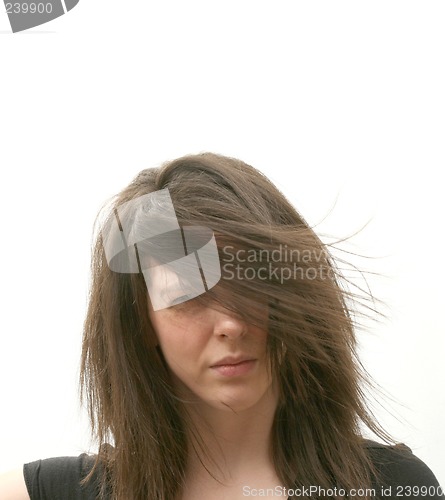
[231, 444]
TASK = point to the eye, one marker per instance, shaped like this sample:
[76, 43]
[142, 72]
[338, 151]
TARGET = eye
[179, 300]
[185, 304]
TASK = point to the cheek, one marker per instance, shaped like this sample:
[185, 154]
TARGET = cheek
[176, 346]
[260, 335]
[181, 343]
[183, 357]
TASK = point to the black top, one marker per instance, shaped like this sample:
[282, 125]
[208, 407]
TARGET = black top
[403, 476]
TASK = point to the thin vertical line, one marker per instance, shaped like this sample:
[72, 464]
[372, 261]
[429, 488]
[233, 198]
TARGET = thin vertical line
[201, 271]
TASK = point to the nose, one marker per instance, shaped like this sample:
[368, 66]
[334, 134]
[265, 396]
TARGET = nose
[228, 325]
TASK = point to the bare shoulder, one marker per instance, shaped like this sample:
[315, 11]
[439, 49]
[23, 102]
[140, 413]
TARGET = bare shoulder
[13, 486]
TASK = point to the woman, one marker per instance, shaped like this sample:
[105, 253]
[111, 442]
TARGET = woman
[219, 354]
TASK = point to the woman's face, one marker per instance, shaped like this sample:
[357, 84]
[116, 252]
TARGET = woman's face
[214, 355]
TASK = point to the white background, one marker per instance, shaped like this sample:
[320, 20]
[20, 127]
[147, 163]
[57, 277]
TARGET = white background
[340, 103]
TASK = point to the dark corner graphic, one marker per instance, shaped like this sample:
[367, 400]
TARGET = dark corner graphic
[26, 14]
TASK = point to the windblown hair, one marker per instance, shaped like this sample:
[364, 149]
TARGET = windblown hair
[311, 340]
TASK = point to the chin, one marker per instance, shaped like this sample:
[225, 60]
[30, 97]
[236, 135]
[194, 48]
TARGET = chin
[236, 402]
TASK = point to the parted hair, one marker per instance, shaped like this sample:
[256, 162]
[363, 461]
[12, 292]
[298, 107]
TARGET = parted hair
[127, 387]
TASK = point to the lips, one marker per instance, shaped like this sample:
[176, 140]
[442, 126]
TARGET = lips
[232, 360]
[234, 366]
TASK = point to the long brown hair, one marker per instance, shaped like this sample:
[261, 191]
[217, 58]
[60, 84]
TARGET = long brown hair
[311, 339]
